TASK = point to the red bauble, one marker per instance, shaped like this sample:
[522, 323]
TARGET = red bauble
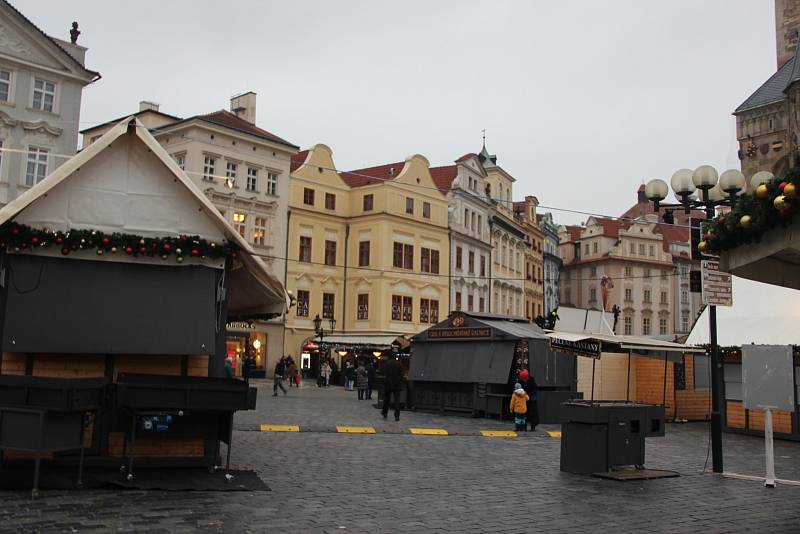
[105, 240]
[59, 240]
[195, 252]
[142, 250]
[167, 246]
[34, 240]
[721, 219]
[785, 212]
[782, 185]
[74, 246]
[128, 250]
[15, 231]
[65, 251]
[23, 245]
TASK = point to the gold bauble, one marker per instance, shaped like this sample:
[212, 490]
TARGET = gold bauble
[761, 191]
[790, 191]
[141, 241]
[179, 259]
[702, 246]
[113, 250]
[779, 202]
[745, 221]
[99, 251]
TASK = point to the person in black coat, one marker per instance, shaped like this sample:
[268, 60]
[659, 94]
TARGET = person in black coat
[530, 387]
[371, 378]
[392, 385]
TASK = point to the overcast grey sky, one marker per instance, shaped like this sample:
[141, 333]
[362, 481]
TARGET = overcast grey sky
[581, 100]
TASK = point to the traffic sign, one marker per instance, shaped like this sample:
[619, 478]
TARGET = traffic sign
[717, 286]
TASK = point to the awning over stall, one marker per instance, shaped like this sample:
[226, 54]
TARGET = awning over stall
[376, 341]
[593, 345]
[252, 293]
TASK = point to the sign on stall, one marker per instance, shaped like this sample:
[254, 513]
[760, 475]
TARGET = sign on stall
[717, 286]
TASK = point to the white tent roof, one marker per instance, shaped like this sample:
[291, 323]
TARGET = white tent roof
[761, 314]
[258, 280]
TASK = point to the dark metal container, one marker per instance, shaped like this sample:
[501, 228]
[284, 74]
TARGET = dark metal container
[159, 392]
[66, 394]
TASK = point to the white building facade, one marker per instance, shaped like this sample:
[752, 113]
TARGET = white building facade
[552, 262]
[41, 84]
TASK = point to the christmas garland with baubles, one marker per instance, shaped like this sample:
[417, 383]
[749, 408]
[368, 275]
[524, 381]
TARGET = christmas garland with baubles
[19, 237]
[772, 205]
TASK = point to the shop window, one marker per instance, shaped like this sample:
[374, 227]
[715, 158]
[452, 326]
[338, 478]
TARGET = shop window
[368, 202]
[402, 309]
[302, 303]
[363, 253]
[424, 309]
[330, 252]
[434, 311]
[305, 249]
[362, 314]
[328, 303]
[330, 201]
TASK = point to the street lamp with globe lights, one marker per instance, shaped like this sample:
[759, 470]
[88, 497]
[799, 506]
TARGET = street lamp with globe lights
[714, 191]
[321, 333]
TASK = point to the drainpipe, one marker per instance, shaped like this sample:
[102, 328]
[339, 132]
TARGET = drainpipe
[491, 250]
[344, 283]
[449, 271]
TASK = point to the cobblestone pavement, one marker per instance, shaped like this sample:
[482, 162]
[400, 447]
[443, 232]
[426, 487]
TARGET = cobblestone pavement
[395, 482]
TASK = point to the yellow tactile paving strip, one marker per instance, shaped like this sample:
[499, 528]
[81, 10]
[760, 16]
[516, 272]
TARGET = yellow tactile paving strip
[554, 434]
[499, 433]
[416, 431]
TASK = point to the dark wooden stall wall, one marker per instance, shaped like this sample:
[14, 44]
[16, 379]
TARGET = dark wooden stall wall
[56, 305]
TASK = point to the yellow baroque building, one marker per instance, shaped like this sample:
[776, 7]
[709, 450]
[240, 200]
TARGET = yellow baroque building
[367, 247]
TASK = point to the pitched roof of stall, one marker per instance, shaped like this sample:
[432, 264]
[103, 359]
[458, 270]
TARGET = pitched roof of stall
[247, 255]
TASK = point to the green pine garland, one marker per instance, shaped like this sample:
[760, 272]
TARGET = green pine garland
[726, 231]
[23, 237]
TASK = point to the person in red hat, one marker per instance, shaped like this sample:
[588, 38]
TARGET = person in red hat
[530, 387]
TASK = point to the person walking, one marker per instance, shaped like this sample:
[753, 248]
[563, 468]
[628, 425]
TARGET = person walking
[350, 375]
[370, 367]
[530, 387]
[362, 381]
[292, 373]
[519, 407]
[277, 382]
[393, 383]
[326, 373]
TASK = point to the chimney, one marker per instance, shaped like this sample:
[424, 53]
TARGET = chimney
[145, 105]
[244, 106]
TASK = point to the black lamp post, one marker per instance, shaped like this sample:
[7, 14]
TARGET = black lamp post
[714, 191]
[321, 333]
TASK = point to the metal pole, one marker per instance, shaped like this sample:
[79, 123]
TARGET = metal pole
[716, 394]
[594, 361]
[664, 395]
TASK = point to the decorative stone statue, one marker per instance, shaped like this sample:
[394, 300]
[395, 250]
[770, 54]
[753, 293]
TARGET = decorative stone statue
[74, 33]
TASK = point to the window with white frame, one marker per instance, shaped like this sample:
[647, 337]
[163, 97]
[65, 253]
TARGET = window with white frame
[209, 168]
[5, 85]
[252, 179]
[627, 322]
[662, 327]
[259, 230]
[37, 165]
[645, 326]
[44, 95]
[240, 223]
[272, 183]
[230, 173]
[684, 324]
[2, 146]
[180, 159]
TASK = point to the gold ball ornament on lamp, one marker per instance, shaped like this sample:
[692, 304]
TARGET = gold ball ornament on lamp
[746, 221]
[702, 246]
[761, 191]
[790, 191]
[779, 202]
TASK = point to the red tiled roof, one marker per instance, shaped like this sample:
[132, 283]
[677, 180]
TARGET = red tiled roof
[574, 232]
[443, 177]
[466, 156]
[230, 120]
[297, 160]
[372, 175]
[610, 226]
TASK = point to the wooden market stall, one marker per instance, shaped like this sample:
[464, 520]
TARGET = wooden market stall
[117, 268]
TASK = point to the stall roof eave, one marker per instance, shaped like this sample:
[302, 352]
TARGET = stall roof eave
[384, 341]
[622, 343]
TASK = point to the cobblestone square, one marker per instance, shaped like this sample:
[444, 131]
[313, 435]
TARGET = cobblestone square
[393, 481]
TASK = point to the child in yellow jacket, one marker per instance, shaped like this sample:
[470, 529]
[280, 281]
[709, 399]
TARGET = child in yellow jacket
[519, 407]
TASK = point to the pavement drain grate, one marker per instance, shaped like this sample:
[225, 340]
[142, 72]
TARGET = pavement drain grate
[280, 428]
[428, 431]
[499, 433]
[355, 429]
[554, 434]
